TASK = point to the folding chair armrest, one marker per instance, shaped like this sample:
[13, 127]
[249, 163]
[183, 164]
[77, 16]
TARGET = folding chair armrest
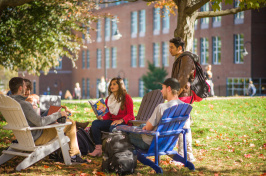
[134, 129]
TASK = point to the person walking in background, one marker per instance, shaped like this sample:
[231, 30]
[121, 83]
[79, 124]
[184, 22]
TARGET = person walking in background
[102, 88]
[120, 106]
[251, 89]
[208, 75]
[77, 91]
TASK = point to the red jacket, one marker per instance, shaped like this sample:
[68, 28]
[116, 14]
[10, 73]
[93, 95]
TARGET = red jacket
[126, 114]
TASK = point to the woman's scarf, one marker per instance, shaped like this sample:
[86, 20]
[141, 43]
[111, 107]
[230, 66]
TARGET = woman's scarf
[113, 105]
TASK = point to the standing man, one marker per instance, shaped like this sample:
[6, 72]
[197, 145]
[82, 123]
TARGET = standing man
[18, 86]
[183, 70]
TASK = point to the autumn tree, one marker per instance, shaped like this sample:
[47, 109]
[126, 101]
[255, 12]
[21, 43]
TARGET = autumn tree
[35, 34]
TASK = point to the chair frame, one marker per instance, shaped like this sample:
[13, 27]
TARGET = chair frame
[14, 115]
[165, 137]
[147, 106]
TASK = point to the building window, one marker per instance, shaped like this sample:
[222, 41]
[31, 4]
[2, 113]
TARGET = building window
[83, 38]
[88, 88]
[97, 90]
[165, 54]
[156, 54]
[204, 51]
[196, 25]
[134, 24]
[107, 29]
[107, 57]
[126, 83]
[238, 48]
[59, 63]
[216, 50]
[204, 22]
[166, 20]
[99, 58]
[133, 56]
[114, 55]
[141, 55]
[141, 88]
[239, 17]
[236, 86]
[83, 59]
[195, 46]
[83, 88]
[88, 59]
[156, 21]
[114, 26]
[142, 23]
[216, 21]
[99, 39]
[34, 87]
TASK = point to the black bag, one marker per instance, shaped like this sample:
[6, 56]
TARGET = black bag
[119, 154]
[85, 142]
[199, 86]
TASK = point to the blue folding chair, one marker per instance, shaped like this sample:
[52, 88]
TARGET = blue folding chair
[165, 137]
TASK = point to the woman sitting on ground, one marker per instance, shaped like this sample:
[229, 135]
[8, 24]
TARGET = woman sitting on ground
[120, 106]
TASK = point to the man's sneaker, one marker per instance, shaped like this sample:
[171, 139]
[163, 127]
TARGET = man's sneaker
[78, 159]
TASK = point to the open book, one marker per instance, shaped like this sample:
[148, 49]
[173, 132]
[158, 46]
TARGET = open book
[99, 107]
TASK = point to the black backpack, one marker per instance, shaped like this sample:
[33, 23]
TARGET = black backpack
[119, 154]
[85, 142]
[199, 86]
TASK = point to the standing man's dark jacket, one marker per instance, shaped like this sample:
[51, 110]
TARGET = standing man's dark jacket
[183, 70]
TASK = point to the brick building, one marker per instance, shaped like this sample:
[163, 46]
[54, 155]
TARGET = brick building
[219, 41]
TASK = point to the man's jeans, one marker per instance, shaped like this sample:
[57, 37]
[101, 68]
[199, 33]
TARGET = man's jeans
[136, 139]
[101, 125]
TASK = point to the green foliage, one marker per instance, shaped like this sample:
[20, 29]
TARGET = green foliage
[154, 76]
[35, 35]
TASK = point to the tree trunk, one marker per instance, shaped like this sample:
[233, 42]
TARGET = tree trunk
[185, 25]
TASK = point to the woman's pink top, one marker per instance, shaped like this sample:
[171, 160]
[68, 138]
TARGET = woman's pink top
[126, 114]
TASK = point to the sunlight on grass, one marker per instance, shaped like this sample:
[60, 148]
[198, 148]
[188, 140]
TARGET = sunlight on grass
[228, 139]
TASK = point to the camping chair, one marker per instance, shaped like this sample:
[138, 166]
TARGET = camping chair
[165, 137]
[12, 112]
[147, 106]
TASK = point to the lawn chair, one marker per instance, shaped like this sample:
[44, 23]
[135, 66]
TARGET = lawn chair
[12, 112]
[147, 106]
[165, 137]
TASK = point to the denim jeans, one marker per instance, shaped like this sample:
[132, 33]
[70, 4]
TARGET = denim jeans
[136, 139]
[101, 125]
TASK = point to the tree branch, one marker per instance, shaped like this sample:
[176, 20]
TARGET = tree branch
[196, 6]
[12, 3]
[221, 12]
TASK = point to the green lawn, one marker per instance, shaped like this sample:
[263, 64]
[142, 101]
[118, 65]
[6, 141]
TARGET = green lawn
[228, 139]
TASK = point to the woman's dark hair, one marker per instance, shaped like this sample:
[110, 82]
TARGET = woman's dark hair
[28, 84]
[121, 93]
[178, 41]
[15, 83]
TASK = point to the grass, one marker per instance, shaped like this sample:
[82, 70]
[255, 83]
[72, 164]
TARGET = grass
[228, 139]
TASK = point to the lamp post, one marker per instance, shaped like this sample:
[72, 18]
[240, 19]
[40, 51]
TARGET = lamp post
[116, 36]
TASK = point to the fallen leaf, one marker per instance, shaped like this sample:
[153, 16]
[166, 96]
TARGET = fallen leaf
[59, 167]
[252, 145]
[247, 155]
[45, 166]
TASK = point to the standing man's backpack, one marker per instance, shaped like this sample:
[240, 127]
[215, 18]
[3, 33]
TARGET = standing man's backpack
[199, 87]
[118, 154]
[85, 141]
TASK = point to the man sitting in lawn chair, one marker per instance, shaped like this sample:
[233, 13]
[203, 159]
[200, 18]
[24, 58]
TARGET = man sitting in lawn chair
[170, 91]
[17, 86]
